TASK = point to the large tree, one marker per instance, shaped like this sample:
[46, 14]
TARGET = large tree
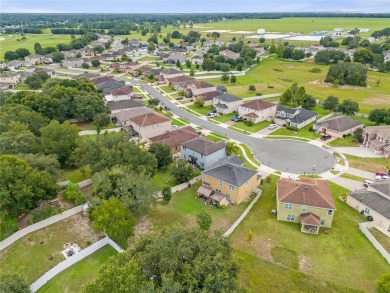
[18, 139]
[378, 115]
[173, 260]
[88, 105]
[348, 107]
[162, 153]
[294, 95]
[21, 186]
[347, 73]
[183, 171]
[331, 103]
[13, 284]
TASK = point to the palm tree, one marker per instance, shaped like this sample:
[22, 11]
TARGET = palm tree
[231, 148]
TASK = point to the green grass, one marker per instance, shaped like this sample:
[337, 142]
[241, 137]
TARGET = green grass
[365, 121]
[30, 259]
[90, 126]
[303, 132]
[161, 176]
[349, 141]
[22, 87]
[215, 136]
[223, 118]
[286, 137]
[147, 58]
[352, 177]
[76, 175]
[8, 225]
[179, 122]
[341, 256]
[250, 154]
[254, 128]
[167, 89]
[246, 162]
[285, 257]
[368, 164]
[183, 208]
[81, 273]
[201, 110]
[381, 238]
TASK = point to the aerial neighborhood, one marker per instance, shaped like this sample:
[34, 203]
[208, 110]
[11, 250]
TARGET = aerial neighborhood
[243, 152]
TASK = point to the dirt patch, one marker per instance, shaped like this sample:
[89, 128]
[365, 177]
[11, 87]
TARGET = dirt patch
[262, 248]
[321, 82]
[142, 227]
[304, 264]
[376, 100]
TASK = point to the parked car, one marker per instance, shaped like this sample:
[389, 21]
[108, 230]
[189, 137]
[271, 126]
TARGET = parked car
[270, 86]
[212, 111]
[167, 108]
[139, 98]
[272, 126]
[179, 98]
[326, 137]
[381, 173]
[259, 94]
[379, 177]
[235, 119]
[211, 115]
[367, 182]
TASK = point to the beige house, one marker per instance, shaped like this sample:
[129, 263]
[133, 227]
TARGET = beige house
[228, 181]
[226, 104]
[377, 139]
[257, 110]
[149, 125]
[338, 126]
[170, 73]
[72, 62]
[229, 54]
[307, 201]
[10, 77]
[200, 87]
[373, 201]
[34, 59]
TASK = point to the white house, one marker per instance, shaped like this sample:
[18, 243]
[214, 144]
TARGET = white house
[226, 104]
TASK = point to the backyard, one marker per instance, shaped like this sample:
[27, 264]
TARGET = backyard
[81, 273]
[41, 250]
[341, 256]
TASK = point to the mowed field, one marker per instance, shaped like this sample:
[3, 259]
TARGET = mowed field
[281, 74]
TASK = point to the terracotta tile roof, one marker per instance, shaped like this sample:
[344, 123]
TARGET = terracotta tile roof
[310, 192]
[149, 119]
[176, 137]
[310, 219]
[258, 105]
[204, 146]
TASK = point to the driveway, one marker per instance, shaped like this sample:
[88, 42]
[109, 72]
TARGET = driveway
[285, 155]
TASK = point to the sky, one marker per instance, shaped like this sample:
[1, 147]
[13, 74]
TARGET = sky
[191, 6]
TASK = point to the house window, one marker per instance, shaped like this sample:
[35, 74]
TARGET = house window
[330, 212]
[322, 222]
[231, 187]
[218, 190]
[367, 210]
[220, 182]
[290, 217]
[304, 208]
[288, 206]
[227, 195]
[203, 176]
[207, 185]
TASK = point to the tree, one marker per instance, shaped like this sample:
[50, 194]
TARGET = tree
[10, 55]
[331, 103]
[239, 67]
[47, 163]
[348, 107]
[383, 284]
[163, 155]
[59, 139]
[114, 219]
[95, 63]
[364, 56]
[85, 65]
[178, 65]
[166, 193]
[309, 102]
[73, 194]
[57, 57]
[272, 49]
[198, 263]
[199, 102]
[192, 72]
[188, 63]
[231, 148]
[135, 190]
[262, 40]
[101, 120]
[18, 139]
[347, 73]
[279, 51]
[225, 77]
[21, 186]
[204, 221]
[294, 95]
[183, 171]
[22, 52]
[252, 88]
[98, 49]
[34, 81]
[88, 105]
[13, 284]
[358, 135]
[37, 48]
[378, 115]
[233, 79]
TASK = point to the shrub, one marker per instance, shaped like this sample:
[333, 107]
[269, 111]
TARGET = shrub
[315, 70]
[249, 122]
[45, 212]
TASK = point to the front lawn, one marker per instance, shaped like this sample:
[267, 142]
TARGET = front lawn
[254, 128]
[36, 253]
[352, 177]
[167, 89]
[201, 110]
[349, 141]
[179, 122]
[81, 273]
[223, 118]
[303, 132]
[368, 164]
[344, 256]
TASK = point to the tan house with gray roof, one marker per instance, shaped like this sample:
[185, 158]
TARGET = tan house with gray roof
[338, 126]
[377, 139]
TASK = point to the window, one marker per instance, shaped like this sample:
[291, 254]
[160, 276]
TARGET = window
[290, 217]
[218, 190]
[227, 195]
[203, 176]
[231, 187]
[367, 210]
[220, 182]
[322, 222]
[288, 206]
[330, 212]
[304, 208]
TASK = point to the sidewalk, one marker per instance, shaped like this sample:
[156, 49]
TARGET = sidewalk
[357, 151]
[347, 183]
[360, 173]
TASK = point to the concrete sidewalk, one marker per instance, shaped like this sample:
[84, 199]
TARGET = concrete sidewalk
[361, 173]
[93, 132]
[357, 151]
[347, 183]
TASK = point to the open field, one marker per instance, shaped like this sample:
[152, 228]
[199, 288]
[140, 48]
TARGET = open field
[36, 253]
[11, 44]
[81, 273]
[344, 256]
[281, 74]
[368, 164]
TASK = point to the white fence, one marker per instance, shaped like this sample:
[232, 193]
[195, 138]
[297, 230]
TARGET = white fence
[72, 260]
[185, 184]
[364, 228]
[21, 233]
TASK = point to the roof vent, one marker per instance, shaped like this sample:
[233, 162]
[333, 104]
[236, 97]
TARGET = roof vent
[306, 187]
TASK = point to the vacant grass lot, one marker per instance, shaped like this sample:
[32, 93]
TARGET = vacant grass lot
[81, 273]
[344, 256]
[254, 128]
[36, 253]
[368, 164]
[162, 176]
[201, 110]
[303, 132]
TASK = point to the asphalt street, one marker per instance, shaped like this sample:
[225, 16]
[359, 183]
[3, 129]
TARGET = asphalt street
[285, 155]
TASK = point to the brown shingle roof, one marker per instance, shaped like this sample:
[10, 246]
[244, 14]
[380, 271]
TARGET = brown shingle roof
[125, 115]
[339, 123]
[124, 104]
[251, 115]
[258, 105]
[182, 78]
[149, 119]
[201, 85]
[121, 91]
[176, 137]
[210, 95]
[310, 219]
[310, 192]
[204, 146]
[101, 79]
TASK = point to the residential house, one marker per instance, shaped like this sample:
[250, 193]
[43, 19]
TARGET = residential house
[24, 75]
[174, 57]
[386, 55]
[175, 138]
[16, 64]
[31, 69]
[3, 65]
[101, 79]
[373, 201]
[226, 104]
[170, 73]
[122, 118]
[257, 110]
[229, 54]
[219, 43]
[377, 139]
[109, 85]
[179, 82]
[124, 105]
[6, 85]
[10, 77]
[197, 59]
[202, 152]
[200, 87]
[207, 44]
[294, 117]
[120, 93]
[86, 75]
[209, 96]
[228, 181]
[47, 59]
[72, 62]
[150, 125]
[34, 59]
[338, 126]
[305, 201]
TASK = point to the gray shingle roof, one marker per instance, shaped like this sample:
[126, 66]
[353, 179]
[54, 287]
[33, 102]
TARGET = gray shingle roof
[230, 170]
[204, 146]
[228, 98]
[302, 116]
[124, 104]
[221, 106]
[340, 123]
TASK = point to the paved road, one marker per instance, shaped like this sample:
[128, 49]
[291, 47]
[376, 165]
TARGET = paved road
[285, 155]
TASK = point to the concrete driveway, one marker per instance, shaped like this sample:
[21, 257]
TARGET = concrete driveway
[289, 156]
